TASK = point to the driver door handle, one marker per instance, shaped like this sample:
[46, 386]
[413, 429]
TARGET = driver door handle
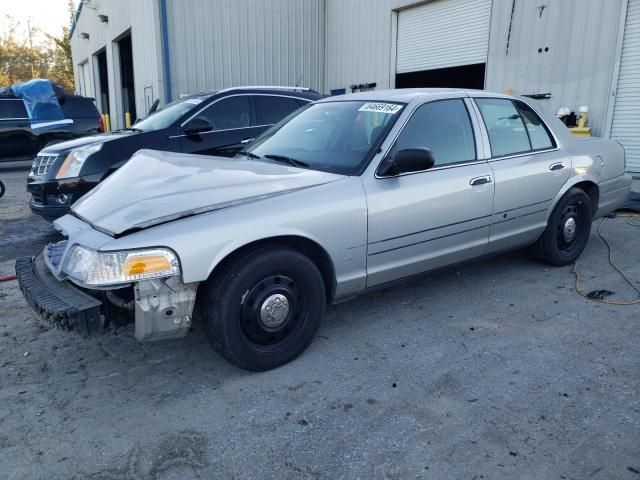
[247, 141]
[480, 180]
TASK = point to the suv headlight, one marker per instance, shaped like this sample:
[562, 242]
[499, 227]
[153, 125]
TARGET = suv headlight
[73, 163]
[91, 268]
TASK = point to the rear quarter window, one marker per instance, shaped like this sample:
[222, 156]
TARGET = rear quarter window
[79, 107]
[507, 132]
[12, 109]
[538, 134]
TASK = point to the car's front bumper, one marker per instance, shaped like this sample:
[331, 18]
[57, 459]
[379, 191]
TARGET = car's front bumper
[162, 308]
[52, 199]
[58, 302]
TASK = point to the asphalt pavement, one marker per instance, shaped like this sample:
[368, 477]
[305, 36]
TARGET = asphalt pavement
[495, 370]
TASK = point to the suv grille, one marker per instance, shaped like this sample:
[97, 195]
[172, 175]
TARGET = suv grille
[41, 164]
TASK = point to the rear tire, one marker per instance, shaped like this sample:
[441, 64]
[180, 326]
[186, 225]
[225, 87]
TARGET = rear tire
[567, 230]
[264, 309]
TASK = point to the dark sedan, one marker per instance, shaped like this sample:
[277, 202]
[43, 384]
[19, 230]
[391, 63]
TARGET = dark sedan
[212, 123]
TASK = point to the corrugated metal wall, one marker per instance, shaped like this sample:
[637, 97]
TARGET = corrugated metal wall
[626, 112]
[358, 43]
[581, 39]
[245, 42]
[142, 18]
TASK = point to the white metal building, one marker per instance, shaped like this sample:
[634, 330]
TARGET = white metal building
[568, 53]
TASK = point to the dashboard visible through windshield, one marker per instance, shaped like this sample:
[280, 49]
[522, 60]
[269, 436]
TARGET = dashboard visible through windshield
[337, 137]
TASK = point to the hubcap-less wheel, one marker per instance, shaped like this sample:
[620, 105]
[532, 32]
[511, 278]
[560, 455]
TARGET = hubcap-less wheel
[271, 311]
[568, 227]
[567, 230]
[262, 309]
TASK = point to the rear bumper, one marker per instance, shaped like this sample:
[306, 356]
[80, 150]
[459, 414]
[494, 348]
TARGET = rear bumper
[613, 194]
[57, 302]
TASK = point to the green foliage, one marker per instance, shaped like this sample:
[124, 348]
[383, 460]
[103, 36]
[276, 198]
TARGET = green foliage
[20, 62]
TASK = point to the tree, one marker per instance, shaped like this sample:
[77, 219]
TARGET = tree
[20, 62]
[61, 63]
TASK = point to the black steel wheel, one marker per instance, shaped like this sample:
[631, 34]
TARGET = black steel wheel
[567, 230]
[264, 309]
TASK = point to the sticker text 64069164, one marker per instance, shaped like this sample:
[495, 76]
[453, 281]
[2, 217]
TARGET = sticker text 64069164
[390, 108]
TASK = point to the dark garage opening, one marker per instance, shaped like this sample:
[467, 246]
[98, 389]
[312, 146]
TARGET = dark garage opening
[103, 80]
[465, 76]
[126, 78]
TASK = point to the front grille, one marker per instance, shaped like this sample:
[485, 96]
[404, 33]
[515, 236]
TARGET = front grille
[42, 164]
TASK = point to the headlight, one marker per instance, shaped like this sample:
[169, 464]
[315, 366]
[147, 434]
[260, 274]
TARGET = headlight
[73, 163]
[92, 268]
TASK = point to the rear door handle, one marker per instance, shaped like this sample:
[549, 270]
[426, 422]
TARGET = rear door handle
[556, 166]
[480, 180]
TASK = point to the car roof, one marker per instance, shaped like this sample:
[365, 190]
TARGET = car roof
[300, 92]
[406, 95]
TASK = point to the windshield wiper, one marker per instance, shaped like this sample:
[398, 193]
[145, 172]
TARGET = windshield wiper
[284, 159]
[132, 129]
[250, 155]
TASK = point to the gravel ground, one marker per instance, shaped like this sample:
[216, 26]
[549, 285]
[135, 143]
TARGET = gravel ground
[495, 370]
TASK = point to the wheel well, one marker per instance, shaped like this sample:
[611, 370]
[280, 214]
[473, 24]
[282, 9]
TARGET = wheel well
[311, 249]
[591, 189]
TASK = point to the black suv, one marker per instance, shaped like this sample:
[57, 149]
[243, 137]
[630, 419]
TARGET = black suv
[18, 139]
[212, 123]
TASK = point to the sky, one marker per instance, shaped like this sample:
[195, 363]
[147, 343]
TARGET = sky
[47, 15]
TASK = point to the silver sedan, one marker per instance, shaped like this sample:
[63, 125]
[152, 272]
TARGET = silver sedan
[346, 195]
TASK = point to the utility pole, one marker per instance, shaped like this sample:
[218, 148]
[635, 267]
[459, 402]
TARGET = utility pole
[33, 70]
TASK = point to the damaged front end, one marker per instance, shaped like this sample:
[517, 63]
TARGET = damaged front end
[74, 284]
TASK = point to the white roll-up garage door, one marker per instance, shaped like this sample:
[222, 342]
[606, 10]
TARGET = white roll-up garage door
[626, 113]
[443, 33]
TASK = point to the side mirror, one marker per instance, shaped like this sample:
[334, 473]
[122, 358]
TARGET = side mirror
[197, 125]
[407, 160]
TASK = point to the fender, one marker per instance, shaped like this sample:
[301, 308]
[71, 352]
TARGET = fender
[573, 181]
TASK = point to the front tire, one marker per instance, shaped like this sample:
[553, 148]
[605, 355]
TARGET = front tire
[567, 230]
[263, 310]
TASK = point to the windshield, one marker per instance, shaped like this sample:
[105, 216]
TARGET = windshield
[336, 136]
[167, 115]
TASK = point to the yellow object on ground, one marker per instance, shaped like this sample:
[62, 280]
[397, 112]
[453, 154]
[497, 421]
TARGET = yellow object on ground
[127, 119]
[581, 131]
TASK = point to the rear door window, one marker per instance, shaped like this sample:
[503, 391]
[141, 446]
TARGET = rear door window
[507, 133]
[12, 109]
[77, 107]
[270, 109]
[229, 113]
[538, 133]
[444, 127]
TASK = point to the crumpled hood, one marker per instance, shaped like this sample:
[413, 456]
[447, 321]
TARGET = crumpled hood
[156, 187]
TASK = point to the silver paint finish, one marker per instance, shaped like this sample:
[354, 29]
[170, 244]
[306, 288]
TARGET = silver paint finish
[372, 229]
[155, 187]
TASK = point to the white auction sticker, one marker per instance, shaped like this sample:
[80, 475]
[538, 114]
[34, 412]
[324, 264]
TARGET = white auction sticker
[381, 108]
